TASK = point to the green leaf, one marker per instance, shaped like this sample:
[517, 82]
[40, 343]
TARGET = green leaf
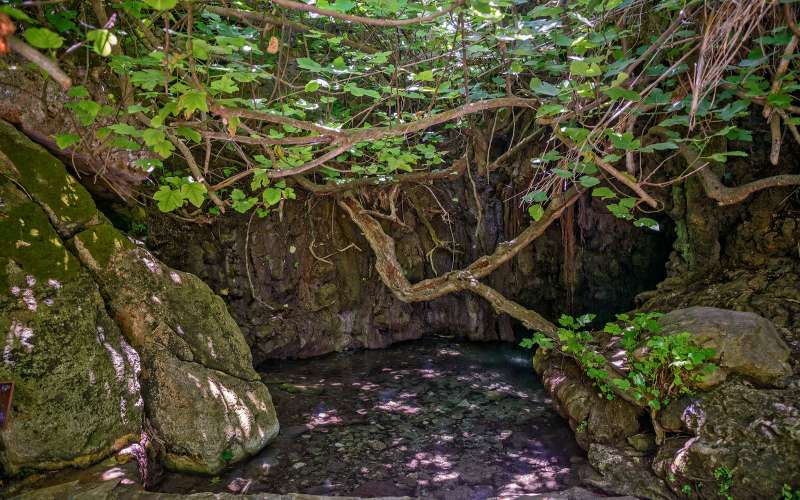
[620, 93]
[588, 181]
[195, 192]
[189, 133]
[192, 101]
[149, 79]
[161, 4]
[15, 14]
[153, 136]
[43, 38]
[124, 129]
[271, 196]
[536, 211]
[544, 88]
[309, 64]
[168, 199]
[584, 68]
[241, 202]
[312, 86]
[225, 85]
[549, 110]
[200, 48]
[603, 193]
[63, 141]
[78, 91]
[425, 76]
[164, 149]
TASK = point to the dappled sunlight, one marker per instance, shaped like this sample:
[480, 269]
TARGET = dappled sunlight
[417, 420]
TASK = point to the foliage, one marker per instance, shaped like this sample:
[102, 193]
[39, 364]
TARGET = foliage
[592, 75]
[789, 493]
[724, 477]
[658, 367]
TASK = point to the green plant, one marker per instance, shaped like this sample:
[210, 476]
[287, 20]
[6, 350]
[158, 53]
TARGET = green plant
[724, 477]
[686, 489]
[789, 493]
[659, 367]
[583, 426]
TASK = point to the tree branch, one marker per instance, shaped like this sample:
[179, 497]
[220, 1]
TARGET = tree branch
[718, 191]
[48, 65]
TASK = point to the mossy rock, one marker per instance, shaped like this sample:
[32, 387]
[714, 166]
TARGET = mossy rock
[68, 205]
[76, 396]
[28, 241]
[207, 419]
[202, 396]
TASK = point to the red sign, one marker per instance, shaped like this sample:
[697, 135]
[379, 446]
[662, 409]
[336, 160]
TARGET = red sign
[6, 393]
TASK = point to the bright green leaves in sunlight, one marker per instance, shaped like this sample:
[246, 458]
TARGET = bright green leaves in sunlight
[161, 4]
[43, 38]
[178, 191]
[673, 358]
[191, 101]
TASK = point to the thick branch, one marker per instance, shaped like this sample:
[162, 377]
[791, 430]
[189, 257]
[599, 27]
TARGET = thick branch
[718, 191]
[368, 134]
[48, 65]
[392, 273]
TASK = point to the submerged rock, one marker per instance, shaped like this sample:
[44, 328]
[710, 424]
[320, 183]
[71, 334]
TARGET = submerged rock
[745, 343]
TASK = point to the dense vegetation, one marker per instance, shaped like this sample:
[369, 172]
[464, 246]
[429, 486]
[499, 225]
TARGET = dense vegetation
[241, 105]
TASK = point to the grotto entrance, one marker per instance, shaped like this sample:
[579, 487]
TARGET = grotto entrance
[431, 418]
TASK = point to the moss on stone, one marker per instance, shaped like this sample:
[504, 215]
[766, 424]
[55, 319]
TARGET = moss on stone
[76, 397]
[66, 202]
[29, 242]
[97, 245]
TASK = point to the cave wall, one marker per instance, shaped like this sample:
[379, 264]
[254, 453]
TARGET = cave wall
[312, 288]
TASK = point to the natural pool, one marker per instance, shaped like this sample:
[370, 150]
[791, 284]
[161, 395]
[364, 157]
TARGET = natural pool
[433, 418]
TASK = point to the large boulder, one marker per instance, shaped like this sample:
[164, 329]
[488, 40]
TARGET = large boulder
[124, 314]
[745, 343]
[750, 434]
[76, 396]
[202, 395]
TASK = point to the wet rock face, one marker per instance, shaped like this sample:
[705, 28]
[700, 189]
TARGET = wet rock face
[753, 434]
[745, 343]
[100, 334]
[303, 283]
